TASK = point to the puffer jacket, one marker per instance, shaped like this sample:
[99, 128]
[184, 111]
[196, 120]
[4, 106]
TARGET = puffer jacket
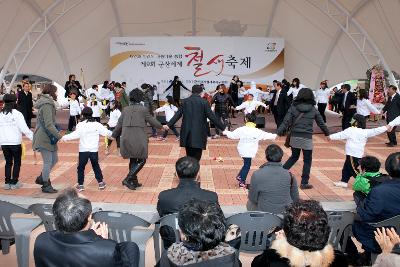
[304, 126]
[47, 115]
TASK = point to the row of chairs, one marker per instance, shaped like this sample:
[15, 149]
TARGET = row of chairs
[256, 228]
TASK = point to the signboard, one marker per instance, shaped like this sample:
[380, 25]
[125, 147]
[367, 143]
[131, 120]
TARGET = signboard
[196, 60]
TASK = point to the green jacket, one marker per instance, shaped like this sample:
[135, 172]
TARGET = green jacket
[362, 182]
[123, 98]
[47, 114]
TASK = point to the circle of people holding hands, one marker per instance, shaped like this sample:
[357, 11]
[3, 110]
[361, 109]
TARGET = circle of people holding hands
[294, 110]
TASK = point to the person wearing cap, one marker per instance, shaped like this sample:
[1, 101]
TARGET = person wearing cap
[356, 138]
[194, 112]
[88, 132]
[12, 126]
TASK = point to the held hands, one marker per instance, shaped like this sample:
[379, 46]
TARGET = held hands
[386, 238]
[165, 127]
[100, 229]
[389, 128]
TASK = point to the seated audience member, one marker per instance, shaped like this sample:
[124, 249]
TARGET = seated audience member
[381, 203]
[171, 200]
[389, 242]
[203, 229]
[303, 240]
[78, 241]
[368, 178]
[272, 187]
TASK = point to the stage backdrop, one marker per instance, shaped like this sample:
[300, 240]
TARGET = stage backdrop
[196, 60]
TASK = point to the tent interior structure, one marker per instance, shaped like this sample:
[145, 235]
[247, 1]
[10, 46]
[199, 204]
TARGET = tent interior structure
[335, 40]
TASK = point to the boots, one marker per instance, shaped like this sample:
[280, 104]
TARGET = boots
[39, 180]
[47, 188]
[126, 182]
[131, 180]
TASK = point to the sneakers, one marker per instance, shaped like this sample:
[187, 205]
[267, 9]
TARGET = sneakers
[7, 186]
[242, 185]
[340, 184]
[80, 188]
[215, 136]
[15, 186]
[238, 178]
[178, 138]
[102, 185]
[306, 186]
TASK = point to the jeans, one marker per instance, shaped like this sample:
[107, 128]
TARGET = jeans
[245, 169]
[349, 168]
[173, 130]
[321, 109]
[12, 155]
[194, 152]
[72, 122]
[307, 161]
[50, 159]
[94, 160]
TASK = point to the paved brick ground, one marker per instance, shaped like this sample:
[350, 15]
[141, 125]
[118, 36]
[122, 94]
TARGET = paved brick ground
[158, 173]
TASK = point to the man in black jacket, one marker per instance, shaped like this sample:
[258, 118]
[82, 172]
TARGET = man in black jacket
[78, 241]
[279, 103]
[195, 111]
[25, 103]
[349, 106]
[392, 109]
[73, 85]
[171, 200]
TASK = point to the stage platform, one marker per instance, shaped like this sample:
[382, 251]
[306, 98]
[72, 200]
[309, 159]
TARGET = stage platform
[159, 172]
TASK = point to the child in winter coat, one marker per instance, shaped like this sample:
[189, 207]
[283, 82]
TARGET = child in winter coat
[88, 132]
[96, 107]
[356, 138]
[248, 136]
[169, 109]
[112, 122]
[74, 111]
[12, 126]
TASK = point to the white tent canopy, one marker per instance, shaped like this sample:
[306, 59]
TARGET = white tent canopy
[335, 40]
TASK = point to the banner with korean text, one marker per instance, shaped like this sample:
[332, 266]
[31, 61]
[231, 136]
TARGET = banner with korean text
[196, 60]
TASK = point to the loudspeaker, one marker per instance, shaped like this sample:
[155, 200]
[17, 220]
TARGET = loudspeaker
[260, 122]
[162, 119]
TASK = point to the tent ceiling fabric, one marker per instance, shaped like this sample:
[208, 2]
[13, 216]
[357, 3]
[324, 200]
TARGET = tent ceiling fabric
[81, 37]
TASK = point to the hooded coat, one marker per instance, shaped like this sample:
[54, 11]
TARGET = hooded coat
[46, 115]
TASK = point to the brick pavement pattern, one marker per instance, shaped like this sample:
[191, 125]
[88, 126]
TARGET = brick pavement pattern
[159, 172]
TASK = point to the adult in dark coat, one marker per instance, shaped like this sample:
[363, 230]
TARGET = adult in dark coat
[25, 104]
[73, 85]
[380, 204]
[195, 111]
[349, 105]
[133, 138]
[171, 200]
[392, 109]
[176, 90]
[79, 243]
[279, 103]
